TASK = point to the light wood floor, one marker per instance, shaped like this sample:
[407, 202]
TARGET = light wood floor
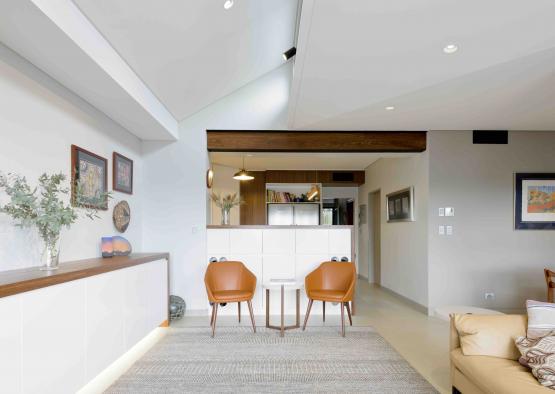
[422, 340]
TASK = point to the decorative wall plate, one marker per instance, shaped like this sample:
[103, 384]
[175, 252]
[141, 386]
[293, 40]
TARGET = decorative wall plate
[209, 178]
[122, 216]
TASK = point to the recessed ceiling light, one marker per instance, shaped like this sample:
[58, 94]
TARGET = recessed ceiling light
[228, 4]
[389, 108]
[451, 48]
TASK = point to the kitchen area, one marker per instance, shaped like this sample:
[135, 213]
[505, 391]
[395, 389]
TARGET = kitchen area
[284, 201]
[286, 223]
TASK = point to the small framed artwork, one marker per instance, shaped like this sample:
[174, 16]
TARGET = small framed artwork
[400, 205]
[122, 177]
[535, 201]
[89, 175]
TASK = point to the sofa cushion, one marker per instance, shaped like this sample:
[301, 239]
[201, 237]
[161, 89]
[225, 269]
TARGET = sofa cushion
[490, 335]
[540, 356]
[497, 375]
[541, 318]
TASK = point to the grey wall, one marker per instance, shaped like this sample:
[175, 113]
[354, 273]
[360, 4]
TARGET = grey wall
[485, 254]
[404, 254]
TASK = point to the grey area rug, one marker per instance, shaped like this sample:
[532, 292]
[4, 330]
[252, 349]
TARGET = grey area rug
[187, 360]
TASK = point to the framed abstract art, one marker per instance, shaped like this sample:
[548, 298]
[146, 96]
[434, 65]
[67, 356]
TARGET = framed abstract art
[122, 177]
[535, 201]
[89, 177]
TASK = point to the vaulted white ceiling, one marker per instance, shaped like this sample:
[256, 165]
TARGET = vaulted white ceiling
[150, 64]
[356, 57]
[191, 53]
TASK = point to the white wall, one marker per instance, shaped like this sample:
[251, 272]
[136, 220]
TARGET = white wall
[175, 190]
[39, 120]
[486, 254]
[224, 184]
[404, 254]
[346, 192]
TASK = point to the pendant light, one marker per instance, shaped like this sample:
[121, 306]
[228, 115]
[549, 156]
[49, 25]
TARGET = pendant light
[242, 174]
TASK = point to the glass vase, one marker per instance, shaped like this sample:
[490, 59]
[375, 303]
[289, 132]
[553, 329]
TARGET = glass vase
[226, 217]
[50, 254]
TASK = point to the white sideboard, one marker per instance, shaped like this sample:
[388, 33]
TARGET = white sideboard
[55, 339]
[271, 252]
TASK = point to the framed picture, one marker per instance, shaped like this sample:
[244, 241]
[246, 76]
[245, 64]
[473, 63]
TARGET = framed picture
[122, 177]
[400, 205]
[535, 201]
[89, 174]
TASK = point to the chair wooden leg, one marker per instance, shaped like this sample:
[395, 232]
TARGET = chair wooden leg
[239, 309]
[349, 313]
[324, 311]
[342, 320]
[212, 316]
[249, 303]
[267, 307]
[282, 326]
[307, 313]
[215, 317]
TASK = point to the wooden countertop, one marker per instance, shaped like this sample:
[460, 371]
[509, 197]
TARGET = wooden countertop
[263, 226]
[22, 280]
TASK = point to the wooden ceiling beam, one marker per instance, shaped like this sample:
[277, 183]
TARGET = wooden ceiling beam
[315, 141]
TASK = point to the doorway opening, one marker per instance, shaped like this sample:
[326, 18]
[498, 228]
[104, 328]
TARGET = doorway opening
[374, 232]
[338, 211]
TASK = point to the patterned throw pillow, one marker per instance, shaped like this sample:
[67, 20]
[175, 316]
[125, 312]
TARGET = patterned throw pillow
[540, 357]
[541, 319]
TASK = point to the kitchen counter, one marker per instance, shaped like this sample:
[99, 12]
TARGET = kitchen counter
[265, 226]
[279, 252]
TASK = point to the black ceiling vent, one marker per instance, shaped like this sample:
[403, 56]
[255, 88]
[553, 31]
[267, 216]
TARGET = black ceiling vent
[343, 177]
[491, 137]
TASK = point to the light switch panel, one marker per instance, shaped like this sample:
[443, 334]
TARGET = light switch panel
[441, 230]
[441, 211]
[449, 230]
[449, 211]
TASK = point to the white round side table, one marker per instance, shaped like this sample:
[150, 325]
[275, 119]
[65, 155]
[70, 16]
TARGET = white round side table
[282, 285]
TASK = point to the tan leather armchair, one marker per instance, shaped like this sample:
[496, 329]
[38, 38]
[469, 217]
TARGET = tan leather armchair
[229, 281]
[333, 282]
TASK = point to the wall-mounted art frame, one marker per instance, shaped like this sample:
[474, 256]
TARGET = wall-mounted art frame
[400, 205]
[89, 173]
[534, 201]
[122, 173]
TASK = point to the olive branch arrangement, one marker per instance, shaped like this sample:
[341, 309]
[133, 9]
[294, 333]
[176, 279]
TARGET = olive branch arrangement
[45, 207]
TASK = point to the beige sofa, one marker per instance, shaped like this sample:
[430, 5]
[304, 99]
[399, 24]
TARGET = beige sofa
[485, 374]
